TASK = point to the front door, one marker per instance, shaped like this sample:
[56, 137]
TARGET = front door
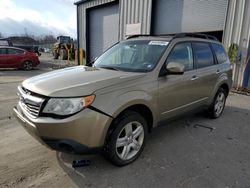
[179, 93]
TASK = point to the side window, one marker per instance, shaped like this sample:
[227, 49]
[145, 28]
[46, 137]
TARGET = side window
[203, 54]
[14, 51]
[3, 51]
[219, 52]
[182, 53]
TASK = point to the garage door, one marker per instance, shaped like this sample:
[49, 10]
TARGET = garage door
[174, 16]
[103, 27]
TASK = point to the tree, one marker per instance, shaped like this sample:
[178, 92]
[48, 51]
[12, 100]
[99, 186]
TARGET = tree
[47, 39]
[233, 51]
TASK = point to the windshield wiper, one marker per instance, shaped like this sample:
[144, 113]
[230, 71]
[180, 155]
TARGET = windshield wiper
[110, 68]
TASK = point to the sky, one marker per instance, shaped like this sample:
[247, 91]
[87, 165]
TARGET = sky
[37, 17]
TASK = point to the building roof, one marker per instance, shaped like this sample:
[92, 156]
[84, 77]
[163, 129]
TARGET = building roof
[78, 2]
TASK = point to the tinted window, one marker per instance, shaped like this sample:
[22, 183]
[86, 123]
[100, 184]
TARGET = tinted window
[182, 53]
[2, 51]
[15, 51]
[220, 53]
[203, 54]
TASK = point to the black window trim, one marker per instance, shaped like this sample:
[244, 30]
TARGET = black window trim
[215, 62]
[215, 52]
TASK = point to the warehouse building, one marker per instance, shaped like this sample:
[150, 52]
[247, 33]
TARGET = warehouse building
[102, 23]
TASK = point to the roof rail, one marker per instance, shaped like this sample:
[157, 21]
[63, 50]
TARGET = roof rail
[178, 35]
[135, 36]
[196, 35]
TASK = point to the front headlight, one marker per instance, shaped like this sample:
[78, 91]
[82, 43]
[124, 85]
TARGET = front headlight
[67, 106]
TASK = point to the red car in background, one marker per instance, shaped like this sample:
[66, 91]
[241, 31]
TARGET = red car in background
[11, 57]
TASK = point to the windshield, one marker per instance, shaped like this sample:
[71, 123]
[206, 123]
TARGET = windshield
[132, 56]
[64, 39]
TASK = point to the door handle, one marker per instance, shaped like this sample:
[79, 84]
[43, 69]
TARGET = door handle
[194, 78]
[218, 72]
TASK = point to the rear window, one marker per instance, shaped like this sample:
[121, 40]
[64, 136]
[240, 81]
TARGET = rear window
[220, 53]
[15, 51]
[203, 54]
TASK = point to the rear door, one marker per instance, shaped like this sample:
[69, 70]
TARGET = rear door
[206, 68]
[179, 93]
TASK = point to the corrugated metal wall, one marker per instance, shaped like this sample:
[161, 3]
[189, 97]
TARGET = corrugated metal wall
[237, 27]
[135, 11]
[237, 30]
[131, 11]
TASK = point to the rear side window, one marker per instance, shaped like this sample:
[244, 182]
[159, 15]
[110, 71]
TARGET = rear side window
[15, 51]
[220, 53]
[203, 54]
[3, 51]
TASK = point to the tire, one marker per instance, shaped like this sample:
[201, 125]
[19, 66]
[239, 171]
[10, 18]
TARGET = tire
[216, 108]
[55, 55]
[27, 65]
[63, 54]
[131, 129]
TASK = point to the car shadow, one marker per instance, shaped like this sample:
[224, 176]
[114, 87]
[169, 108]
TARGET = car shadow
[165, 155]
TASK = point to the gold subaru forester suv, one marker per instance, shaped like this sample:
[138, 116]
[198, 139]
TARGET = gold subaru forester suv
[130, 89]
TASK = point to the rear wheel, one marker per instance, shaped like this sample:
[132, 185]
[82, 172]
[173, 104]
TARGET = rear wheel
[127, 140]
[27, 65]
[218, 105]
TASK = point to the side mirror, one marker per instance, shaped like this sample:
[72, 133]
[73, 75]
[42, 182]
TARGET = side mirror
[175, 68]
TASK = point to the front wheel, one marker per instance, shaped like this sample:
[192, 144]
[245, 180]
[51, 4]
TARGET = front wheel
[218, 105]
[27, 65]
[127, 141]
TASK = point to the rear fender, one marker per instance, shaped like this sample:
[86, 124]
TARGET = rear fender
[223, 79]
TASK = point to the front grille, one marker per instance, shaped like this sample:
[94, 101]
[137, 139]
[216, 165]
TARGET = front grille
[30, 103]
[31, 109]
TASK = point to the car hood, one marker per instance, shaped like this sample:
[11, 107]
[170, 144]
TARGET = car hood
[77, 81]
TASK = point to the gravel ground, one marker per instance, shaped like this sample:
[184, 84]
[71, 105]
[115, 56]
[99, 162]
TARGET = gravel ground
[176, 155]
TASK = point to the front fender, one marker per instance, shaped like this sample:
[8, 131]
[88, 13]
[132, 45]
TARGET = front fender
[114, 103]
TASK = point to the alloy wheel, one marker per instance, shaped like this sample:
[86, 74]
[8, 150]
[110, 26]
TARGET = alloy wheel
[130, 140]
[27, 65]
[219, 103]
